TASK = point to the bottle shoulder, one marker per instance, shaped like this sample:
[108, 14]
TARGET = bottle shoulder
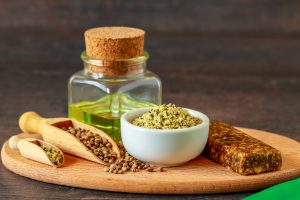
[149, 73]
[81, 75]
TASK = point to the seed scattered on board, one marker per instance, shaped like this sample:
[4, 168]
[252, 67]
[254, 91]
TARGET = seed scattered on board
[103, 149]
[130, 164]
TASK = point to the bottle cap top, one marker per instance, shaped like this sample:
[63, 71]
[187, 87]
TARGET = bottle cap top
[114, 43]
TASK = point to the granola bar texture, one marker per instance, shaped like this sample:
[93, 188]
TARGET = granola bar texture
[240, 152]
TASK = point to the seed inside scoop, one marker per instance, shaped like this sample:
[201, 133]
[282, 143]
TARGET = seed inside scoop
[54, 155]
[98, 145]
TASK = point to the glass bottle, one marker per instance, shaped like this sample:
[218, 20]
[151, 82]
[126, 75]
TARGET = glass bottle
[104, 90]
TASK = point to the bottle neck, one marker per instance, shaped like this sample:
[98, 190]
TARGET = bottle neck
[116, 68]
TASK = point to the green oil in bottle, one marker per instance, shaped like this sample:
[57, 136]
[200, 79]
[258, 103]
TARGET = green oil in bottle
[105, 113]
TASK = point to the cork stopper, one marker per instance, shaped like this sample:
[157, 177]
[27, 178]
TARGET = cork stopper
[114, 43]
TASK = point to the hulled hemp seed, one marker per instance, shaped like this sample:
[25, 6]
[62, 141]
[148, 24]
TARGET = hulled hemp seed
[55, 156]
[167, 116]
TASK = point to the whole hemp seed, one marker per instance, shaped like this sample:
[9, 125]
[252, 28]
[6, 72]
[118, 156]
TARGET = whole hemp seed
[128, 163]
[98, 145]
[103, 149]
[167, 116]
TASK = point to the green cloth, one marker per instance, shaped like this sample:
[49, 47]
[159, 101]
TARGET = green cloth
[289, 190]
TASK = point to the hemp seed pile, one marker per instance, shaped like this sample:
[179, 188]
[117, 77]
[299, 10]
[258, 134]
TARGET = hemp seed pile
[130, 164]
[167, 116]
[95, 143]
[103, 149]
[54, 155]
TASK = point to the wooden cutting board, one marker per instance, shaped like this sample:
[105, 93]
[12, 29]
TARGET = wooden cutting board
[200, 176]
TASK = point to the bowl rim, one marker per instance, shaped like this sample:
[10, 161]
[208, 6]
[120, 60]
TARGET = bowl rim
[204, 118]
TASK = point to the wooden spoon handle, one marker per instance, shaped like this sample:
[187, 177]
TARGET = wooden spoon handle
[31, 122]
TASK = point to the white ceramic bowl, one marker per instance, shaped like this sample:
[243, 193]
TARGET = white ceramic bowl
[163, 147]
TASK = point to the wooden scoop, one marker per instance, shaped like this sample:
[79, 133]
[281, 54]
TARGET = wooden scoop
[52, 132]
[32, 148]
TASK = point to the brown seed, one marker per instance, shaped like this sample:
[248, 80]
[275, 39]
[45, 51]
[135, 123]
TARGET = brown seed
[89, 134]
[104, 140]
[104, 149]
[113, 166]
[120, 164]
[114, 154]
[84, 137]
[108, 145]
[160, 169]
[133, 170]
[106, 169]
[150, 169]
[146, 166]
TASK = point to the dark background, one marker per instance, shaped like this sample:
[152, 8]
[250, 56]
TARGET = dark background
[236, 61]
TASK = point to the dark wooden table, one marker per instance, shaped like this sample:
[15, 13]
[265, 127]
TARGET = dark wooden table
[237, 61]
